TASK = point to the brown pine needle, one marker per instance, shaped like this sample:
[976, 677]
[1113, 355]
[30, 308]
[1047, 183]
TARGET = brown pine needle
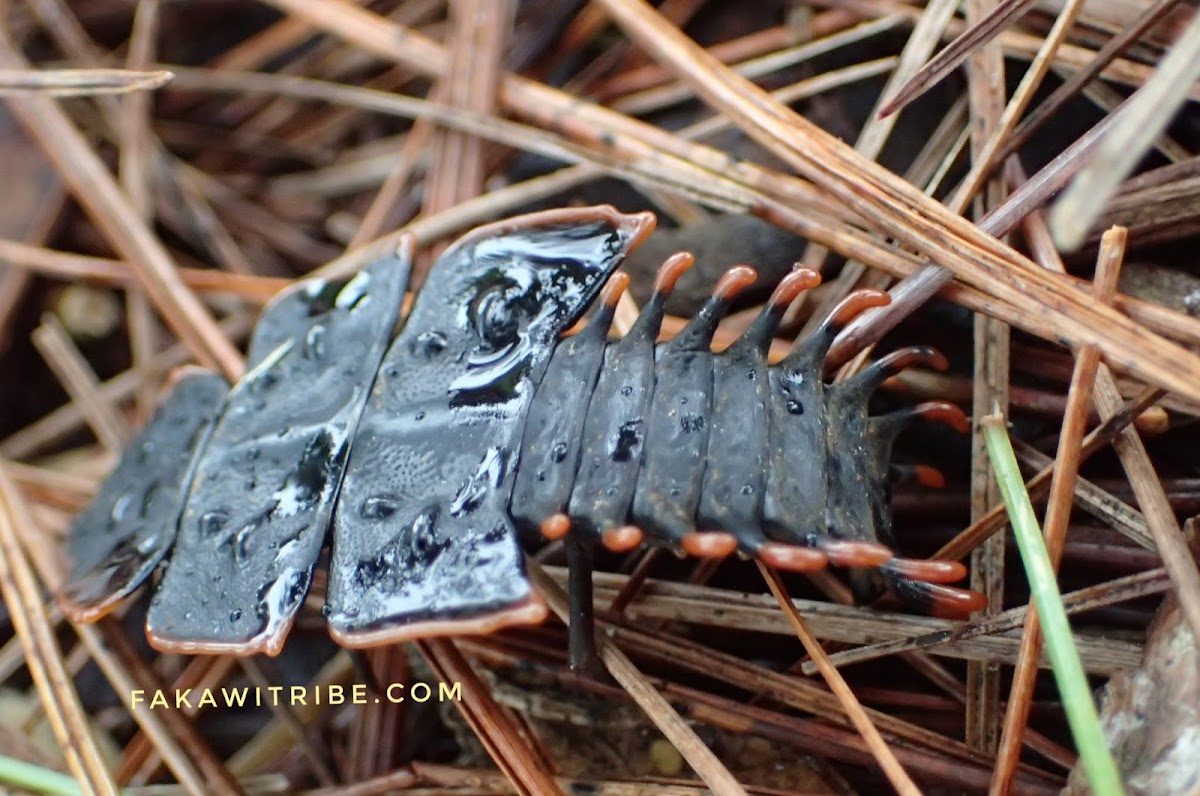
[1102, 505]
[185, 738]
[901, 210]
[985, 159]
[1155, 361]
[346, 129]
[101, 270]
[657, 709]
[27, 610]
[878, 128]
[1065, 92]
[142, 757]
[150, 721]
[79, 82]
[1039, 484]
[79, 380]
[1142, 120]
[833, 678]
[1131, 587]
[62, 421]
[1058, 512]
[664, 96]
[1004, 14]
[97, 190]
[169, 743]
[1147, 488]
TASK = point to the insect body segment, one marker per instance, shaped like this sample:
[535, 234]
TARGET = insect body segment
[617, 417]
[127, 529]
[671, 485]
[260, 502]
[552, 437]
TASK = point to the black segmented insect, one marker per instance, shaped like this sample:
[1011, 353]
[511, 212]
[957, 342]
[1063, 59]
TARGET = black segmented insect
[421, 456]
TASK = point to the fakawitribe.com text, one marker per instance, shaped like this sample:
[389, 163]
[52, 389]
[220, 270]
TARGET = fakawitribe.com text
[293, 695]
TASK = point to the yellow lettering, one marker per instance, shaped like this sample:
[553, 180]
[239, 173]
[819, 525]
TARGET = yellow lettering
[234, 696]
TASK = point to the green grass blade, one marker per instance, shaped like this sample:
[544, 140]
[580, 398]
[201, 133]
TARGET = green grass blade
[1098, 763]
[27, 776]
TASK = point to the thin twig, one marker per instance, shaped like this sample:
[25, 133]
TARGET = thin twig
[492, 724]
[813, 151]
[1131, 587]
[83, 268]
[990, 377]
[1075, 82]
[80, 382]
[978, 33]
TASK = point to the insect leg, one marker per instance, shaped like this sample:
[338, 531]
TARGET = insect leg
[932, 598]
[922, 474]
[581, 625]
[914, 580]
[882, 432]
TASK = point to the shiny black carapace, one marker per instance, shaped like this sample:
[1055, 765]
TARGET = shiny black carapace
[420, 456]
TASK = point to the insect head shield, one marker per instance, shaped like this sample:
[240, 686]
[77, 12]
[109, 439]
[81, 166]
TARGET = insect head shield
[517, 304]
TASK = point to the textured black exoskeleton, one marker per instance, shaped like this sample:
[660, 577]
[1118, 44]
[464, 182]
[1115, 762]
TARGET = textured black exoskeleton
[419, 457]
